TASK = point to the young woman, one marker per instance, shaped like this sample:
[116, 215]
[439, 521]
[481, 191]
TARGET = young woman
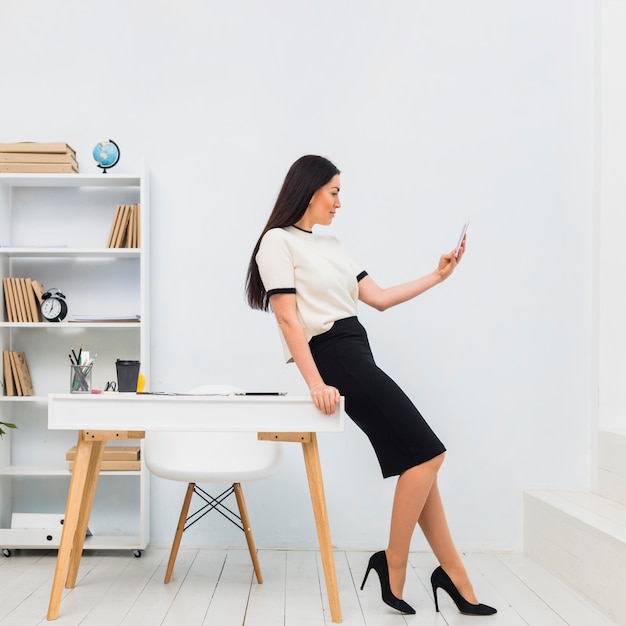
[313, 286]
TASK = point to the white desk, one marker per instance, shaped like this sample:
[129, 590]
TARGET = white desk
[104, 417]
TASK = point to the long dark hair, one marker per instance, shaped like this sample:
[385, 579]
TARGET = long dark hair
[307, 175]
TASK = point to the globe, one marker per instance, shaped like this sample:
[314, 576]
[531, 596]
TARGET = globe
[107, 154]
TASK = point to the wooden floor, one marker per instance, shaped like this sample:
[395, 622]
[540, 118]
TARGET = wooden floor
[216, 587]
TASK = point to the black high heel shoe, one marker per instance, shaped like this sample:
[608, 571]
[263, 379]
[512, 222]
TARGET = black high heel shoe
[378, 562]
[441, 580]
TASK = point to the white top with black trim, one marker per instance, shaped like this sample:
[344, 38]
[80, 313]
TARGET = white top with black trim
[317, 269]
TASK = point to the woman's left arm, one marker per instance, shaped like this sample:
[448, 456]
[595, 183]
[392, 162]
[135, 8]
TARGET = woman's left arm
[383, 298]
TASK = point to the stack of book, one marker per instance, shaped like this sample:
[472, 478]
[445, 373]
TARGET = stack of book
[17, 381]
[31, 157]
[22, 299]
[116, 458]
[125, 227]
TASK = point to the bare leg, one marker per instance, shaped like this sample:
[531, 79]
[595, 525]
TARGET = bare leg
[411, 495]
[434, 525]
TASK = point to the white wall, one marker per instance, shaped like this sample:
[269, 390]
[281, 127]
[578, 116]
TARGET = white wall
[611, 216]
[435, 111]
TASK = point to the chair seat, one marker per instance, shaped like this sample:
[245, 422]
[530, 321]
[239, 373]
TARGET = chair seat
[214, 457]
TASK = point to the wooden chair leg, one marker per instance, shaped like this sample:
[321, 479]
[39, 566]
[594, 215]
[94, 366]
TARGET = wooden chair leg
[179, 532]
[245, 521]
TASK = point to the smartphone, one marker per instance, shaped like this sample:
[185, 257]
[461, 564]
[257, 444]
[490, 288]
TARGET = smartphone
[458, 245]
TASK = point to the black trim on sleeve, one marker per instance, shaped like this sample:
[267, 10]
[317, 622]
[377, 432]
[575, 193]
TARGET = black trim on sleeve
[273, 292]
[361, 276]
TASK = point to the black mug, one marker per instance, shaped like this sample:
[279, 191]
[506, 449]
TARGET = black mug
[127, 375]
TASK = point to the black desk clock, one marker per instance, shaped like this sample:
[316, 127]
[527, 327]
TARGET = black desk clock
[53, 306]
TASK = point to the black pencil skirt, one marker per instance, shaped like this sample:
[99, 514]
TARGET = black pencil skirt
[399, 434]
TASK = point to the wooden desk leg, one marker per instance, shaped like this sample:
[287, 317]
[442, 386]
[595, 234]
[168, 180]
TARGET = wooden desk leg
[316, 487]
[84, 455]
[84, 513]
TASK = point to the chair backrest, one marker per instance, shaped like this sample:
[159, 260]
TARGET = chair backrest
[226, 457]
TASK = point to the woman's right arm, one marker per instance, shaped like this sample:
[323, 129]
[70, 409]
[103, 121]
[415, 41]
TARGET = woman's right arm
[324, 396]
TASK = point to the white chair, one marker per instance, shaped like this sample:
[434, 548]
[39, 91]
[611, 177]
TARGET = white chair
[211, 457]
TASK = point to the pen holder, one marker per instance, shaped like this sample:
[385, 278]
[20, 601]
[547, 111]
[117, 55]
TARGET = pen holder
[127, 375]
[80, 378]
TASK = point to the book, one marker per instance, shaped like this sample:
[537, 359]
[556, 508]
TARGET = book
[8, 301]
[38, 157]
[32, 300]
[111, 453]
[16, 379]
[38, 290]
[136, 211]
[122, 231]
[138, 228]
[21, 285]
[35, 146]
[38, 168]
[130, 240]
[23, 374]
[115, 226]
[9, 383]
[17, 300]
[108, 466]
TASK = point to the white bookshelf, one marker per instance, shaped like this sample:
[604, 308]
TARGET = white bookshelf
[54, 228]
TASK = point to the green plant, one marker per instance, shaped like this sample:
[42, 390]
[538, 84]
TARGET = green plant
[3, 432]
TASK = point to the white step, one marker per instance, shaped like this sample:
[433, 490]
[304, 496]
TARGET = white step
[581, 536]
[612, 465]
